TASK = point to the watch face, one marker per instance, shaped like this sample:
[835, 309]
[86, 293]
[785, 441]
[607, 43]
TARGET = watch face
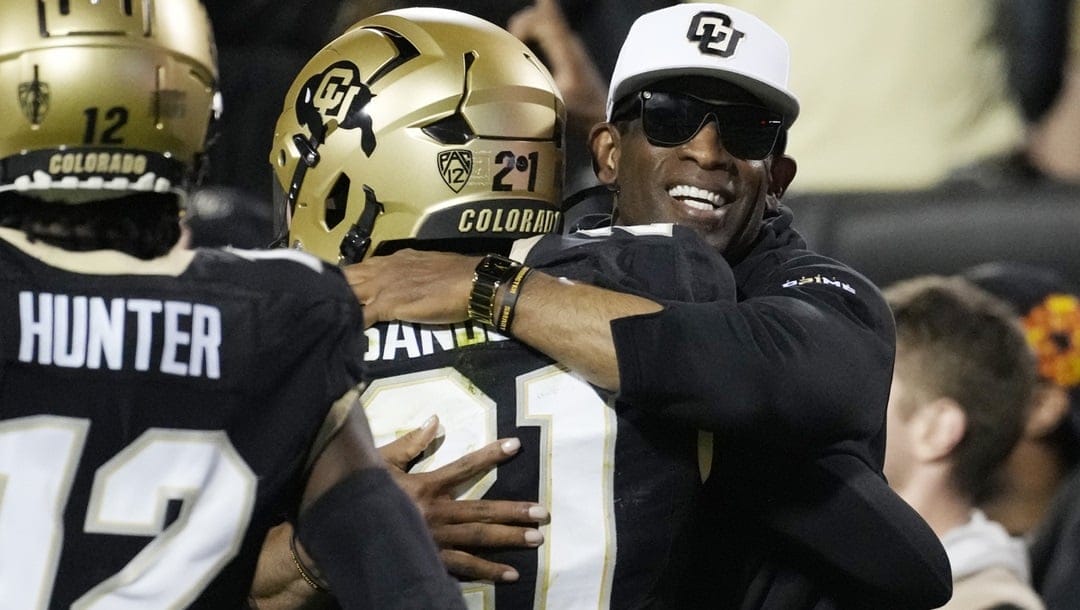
[496, 266]
[492, 272]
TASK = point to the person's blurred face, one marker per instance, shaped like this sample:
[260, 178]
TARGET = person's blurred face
[698, 183]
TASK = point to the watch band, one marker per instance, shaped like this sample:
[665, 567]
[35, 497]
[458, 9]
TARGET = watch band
[492, 271]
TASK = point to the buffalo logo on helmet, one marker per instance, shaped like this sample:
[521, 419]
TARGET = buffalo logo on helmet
[713, 34]
[34, 99]
[455, 167]
[339, 95]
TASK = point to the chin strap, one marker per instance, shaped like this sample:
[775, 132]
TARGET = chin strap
[357, 241]
[585, 193]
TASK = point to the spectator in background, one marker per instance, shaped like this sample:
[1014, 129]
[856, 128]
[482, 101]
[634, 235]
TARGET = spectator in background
[1039, 497]
[961, 387]
[1055, 140]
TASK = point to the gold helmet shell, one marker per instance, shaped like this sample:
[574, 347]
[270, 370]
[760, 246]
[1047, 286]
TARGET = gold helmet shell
[418, 124]
[99, 96]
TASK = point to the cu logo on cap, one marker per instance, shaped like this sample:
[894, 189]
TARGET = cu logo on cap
[714, 34]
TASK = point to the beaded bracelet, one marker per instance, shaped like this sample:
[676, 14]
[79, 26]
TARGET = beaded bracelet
[309, 578]
[508, 300]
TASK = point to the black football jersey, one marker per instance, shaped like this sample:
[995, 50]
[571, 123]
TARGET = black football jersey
[619, 483]
[155, 418]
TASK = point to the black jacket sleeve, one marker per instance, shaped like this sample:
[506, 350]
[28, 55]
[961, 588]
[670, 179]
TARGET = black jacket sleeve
[802, 359]
[374, 548]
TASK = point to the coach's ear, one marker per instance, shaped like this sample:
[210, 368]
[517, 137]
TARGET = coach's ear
[604, 145]
[782, 170]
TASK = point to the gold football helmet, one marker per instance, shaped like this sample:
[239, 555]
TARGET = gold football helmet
[418, 124]
[101, 96]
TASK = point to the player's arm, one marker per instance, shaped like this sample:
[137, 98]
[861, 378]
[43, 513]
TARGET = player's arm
[456, 525]
[278, 584]
[543, 26]
[366, 536]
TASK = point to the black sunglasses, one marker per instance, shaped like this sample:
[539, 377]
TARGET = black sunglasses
[669, 119]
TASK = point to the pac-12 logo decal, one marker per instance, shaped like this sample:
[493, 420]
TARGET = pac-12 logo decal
[455, 167]
[337, 94]
[34, 99]
[714, 34]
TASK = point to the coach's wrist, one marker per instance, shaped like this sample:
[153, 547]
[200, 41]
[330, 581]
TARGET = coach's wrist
[487, 296]
[506, 299]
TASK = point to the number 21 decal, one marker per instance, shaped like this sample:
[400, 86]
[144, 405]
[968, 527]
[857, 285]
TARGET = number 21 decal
[512, 163]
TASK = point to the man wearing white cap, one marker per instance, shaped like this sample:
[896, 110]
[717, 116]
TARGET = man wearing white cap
[792, 377]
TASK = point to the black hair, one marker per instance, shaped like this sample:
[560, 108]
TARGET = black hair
[144, 225]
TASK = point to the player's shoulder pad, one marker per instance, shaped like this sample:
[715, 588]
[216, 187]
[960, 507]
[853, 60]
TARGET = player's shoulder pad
[276, 270]
[662, 262]
[553, 246]
[281, 254]
[659, 229]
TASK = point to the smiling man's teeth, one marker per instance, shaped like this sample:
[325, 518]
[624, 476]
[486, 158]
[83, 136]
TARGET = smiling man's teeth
[697, 198]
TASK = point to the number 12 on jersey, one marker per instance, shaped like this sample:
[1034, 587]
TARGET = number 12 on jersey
[39, 456]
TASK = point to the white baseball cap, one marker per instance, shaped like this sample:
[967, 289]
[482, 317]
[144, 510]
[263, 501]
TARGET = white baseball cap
[713, 40]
